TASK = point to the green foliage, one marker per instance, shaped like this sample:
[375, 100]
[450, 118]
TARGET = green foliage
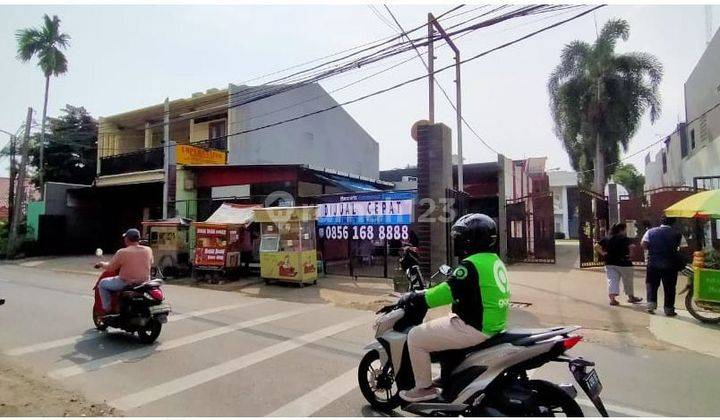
[598, 95]
[46, 43]
[70, 148]
[628, 176]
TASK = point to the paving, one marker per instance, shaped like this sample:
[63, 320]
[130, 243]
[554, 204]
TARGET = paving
[264, 350]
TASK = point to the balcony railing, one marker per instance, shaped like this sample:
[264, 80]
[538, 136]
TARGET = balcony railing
[141, 160]
[219, 143]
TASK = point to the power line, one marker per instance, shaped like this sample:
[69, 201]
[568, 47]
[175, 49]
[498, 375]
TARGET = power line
[252, 95]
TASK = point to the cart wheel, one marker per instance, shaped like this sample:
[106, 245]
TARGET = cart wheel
[267, 281]
[315, 282]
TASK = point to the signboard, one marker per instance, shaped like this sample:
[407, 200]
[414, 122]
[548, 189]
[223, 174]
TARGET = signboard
[366, 216]
[210, 248]
[193, 155]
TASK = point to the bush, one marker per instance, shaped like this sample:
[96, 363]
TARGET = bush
[559, 235]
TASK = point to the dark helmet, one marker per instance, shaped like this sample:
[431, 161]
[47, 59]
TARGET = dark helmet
[473, 233]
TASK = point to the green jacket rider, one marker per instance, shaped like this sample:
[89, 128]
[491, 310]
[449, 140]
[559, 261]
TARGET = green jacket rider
[479, 293]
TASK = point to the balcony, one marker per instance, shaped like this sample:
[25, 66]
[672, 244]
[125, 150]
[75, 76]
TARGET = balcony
[139, 161]
[218, 143]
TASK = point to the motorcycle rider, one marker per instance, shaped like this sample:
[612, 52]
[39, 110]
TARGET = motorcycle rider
[479, 293]
[133, 262]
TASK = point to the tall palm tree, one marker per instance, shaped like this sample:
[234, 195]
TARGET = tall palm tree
[597, 98]
[45, 43]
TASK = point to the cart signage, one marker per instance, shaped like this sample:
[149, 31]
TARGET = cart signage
[707, 285]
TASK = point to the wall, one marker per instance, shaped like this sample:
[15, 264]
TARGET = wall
[331, 139]
[200, 131]
[34, 210]
[702, 88]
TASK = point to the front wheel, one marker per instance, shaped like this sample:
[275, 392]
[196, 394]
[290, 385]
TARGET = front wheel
[701, 314]
[378, 384]
[150, 332]
[98, 321]
[553, 401]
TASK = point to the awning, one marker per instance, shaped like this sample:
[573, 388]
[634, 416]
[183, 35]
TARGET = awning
[233, 214]
[351, 185]
[175, 221]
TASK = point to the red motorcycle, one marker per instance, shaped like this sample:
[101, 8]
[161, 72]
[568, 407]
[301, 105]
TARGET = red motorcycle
[136, 309]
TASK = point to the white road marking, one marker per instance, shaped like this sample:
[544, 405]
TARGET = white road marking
[319, 397]
[118, 358]
[619, 409]
[19, 351]
[200, 377]
[33, 263]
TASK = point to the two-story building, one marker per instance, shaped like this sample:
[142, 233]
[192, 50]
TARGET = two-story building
[692, 151]
[184, 156]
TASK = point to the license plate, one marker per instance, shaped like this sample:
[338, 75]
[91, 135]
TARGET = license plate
[592, 384]
[159, 309]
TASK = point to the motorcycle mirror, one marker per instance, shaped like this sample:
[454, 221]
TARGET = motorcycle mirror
[99, 252]
[445, 269]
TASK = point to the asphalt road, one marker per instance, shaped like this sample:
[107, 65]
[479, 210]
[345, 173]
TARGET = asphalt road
[225, 354]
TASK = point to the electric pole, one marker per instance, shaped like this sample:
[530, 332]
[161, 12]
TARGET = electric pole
[433, 24]
[11, 181]
[20, 194]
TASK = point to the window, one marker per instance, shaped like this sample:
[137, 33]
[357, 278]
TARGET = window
[216, 129]
[692, 139]
[664, 162]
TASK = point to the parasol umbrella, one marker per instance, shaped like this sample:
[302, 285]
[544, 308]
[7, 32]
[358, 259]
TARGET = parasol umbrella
[703, 204]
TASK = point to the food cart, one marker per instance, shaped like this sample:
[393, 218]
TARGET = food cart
[220, 239]
[169, 240]
[287, 244]
[703, 290]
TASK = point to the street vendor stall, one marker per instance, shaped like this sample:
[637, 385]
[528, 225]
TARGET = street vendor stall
[220, 240]
[703, 289]
[287, 246]
[169, 240]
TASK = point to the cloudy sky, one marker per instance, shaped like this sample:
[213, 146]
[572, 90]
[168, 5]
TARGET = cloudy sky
[126, 57]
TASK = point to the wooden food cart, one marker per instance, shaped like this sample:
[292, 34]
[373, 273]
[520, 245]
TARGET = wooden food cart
[169, 240]
[287, 246]
[219, 241]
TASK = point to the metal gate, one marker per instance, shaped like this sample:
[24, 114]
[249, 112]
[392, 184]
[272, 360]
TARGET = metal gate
[531, 229]
[592, 210]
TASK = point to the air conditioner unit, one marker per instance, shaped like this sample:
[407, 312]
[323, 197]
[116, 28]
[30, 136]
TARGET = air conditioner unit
[409, 179]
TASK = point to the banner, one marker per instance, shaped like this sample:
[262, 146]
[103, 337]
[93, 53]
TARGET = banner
[193, 155]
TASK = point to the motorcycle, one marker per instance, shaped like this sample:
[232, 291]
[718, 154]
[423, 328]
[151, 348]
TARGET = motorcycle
[137, 309]
[489, 379]
[410, 264]
[706, 312]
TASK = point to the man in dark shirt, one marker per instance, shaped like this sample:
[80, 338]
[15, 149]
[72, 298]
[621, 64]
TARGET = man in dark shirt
[616, 250]
[662, 244]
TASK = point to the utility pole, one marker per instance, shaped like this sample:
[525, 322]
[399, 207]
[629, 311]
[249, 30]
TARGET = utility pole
[432, 22]
[11, 181]
[20, 194]
[166, 158]
[431, 70]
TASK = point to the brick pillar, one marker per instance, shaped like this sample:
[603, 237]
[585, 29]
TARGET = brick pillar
[434, 177]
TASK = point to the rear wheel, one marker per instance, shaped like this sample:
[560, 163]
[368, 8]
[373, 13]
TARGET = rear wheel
[378, 386]
[701, 314]
[150, 332]
[553, 401]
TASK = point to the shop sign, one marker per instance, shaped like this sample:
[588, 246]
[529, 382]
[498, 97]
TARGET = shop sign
[366, 216]
[193, 155]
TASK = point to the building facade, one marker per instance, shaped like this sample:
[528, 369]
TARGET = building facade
[693, 149]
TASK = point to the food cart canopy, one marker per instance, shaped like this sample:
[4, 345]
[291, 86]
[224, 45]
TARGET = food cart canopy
[286, 214]
[175, 221]
[233, 214]
[702, 204]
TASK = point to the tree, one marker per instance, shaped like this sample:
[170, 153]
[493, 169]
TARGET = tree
[71, 148]
[628, 176]
[45, 43]
[597, 98]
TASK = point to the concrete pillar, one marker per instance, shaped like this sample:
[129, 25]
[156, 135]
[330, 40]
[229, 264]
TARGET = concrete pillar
[612, 204]
[148, 136]
[434, 178]
[566, 212]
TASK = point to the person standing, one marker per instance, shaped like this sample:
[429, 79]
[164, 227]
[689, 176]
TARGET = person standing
[662, 243]
[616, 250]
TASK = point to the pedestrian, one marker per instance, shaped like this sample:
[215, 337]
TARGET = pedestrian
[664, 262]
[618, 267]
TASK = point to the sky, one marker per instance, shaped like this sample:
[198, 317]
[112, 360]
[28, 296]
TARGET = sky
[126, 57]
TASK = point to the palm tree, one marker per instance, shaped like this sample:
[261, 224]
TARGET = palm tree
[597, 98]
[45, 43]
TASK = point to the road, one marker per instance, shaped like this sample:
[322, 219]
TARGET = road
[225, 354]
